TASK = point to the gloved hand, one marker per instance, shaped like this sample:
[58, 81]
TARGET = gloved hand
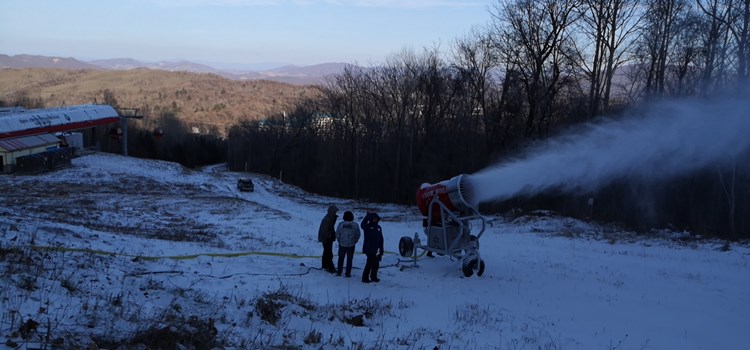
[380, 256]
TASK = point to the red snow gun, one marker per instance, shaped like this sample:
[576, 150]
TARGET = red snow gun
[455, 194]
[448, 208]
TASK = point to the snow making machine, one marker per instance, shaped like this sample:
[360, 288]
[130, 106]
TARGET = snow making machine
[450, 212]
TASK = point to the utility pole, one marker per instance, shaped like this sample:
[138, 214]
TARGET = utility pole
[125, 114]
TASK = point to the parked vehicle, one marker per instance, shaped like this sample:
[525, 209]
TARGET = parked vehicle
[245, 185]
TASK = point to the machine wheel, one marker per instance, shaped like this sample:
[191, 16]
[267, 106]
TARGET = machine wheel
[468, 268]
[406, 246]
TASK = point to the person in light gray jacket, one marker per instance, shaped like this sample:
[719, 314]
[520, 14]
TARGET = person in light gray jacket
[347, 234]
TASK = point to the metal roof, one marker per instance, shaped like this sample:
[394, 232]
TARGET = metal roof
[8, 110]
[26, 142]
[38, 121]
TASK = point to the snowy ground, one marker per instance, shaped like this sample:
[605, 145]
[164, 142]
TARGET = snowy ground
[118, 250]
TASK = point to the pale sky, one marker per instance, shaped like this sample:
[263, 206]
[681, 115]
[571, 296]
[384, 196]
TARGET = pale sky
[301, 32]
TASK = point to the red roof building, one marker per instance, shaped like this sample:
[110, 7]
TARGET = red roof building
[29, 131]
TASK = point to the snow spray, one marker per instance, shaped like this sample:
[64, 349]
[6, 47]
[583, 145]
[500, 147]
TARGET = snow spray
[667, 139]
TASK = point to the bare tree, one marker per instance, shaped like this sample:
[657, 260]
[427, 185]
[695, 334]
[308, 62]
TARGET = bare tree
[686, 56]
[475, 57]
[533, 37]
[658, 34]
[738, 24]
[715, 42]
[741, 31]
[343, 98]
[396, 87]
[610, 27]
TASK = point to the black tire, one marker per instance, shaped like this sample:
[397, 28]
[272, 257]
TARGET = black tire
[406, 246]
[469, 267]
[480, 272]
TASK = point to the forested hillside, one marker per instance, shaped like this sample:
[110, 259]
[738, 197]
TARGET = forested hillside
[206, 101]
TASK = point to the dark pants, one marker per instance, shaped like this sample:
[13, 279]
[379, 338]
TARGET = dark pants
[371, 268]
[328, 256]
[349, 253]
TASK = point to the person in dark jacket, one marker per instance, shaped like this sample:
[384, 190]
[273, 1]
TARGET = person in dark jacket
[372, 247]
[347, 234]
[326, 236]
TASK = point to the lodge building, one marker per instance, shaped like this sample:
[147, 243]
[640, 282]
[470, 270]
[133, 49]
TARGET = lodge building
[34, 140]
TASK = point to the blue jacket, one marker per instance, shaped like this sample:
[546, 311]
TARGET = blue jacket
[373, 244]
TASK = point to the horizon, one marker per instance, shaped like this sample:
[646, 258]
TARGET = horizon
[227, 67]
[236, 33]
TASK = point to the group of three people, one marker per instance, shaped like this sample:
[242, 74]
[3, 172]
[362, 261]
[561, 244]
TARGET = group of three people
[347, 234]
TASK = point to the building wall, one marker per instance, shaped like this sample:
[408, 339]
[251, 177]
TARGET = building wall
[74, 139]
[9, 158]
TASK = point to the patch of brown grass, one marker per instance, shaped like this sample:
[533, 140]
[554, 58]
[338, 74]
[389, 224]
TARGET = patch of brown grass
[198, 99]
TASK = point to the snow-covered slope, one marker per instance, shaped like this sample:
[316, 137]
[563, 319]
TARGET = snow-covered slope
[115, 250]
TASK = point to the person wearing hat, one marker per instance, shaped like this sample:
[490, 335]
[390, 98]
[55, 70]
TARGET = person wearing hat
[372, 247]
[326, 236]
[347, 234]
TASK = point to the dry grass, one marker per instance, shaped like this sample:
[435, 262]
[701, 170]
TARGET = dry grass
[202, 100]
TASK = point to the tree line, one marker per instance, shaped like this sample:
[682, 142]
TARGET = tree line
[535, 69]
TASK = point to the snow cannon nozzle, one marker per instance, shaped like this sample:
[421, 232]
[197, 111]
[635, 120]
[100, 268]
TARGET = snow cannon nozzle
[456, 194]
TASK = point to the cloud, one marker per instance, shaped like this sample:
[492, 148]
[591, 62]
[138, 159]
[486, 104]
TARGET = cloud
[358, 3]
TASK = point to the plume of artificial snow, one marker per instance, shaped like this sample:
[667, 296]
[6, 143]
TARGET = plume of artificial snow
[667, 139]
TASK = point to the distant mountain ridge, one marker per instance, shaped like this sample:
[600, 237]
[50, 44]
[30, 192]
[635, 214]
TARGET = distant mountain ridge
[172, 66]
[33, 61]
[300, 75]
[208, 102]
